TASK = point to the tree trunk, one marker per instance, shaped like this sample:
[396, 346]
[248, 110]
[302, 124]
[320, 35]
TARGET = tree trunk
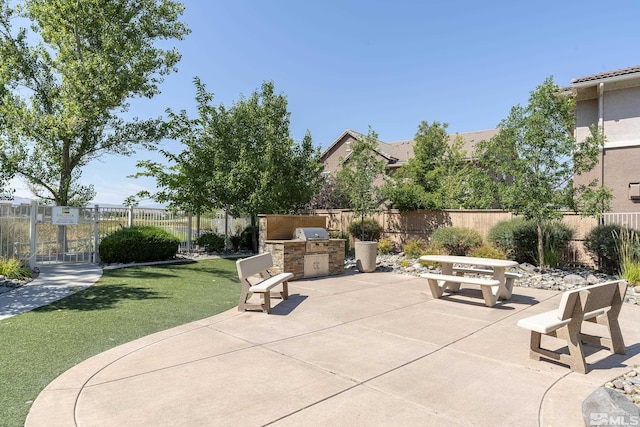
[540, 247]
[254, 234]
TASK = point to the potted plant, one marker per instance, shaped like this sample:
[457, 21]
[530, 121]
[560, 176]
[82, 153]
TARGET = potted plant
[359, 171]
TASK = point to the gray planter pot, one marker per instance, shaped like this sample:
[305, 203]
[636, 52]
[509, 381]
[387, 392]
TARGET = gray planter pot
[366, 253]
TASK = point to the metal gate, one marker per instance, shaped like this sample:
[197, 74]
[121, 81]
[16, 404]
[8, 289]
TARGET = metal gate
[59, 242]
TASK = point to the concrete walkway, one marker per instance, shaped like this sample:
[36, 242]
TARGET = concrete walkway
[54, 282]
[358, 349]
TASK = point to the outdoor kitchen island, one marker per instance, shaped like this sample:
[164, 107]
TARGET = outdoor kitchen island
[300, 244]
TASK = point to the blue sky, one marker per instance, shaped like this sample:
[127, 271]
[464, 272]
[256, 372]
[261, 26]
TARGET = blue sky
[349, 64]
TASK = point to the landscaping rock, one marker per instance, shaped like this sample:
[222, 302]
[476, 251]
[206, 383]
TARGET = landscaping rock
[606, 405]
[575, 280]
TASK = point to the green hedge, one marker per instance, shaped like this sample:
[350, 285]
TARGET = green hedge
[138, 244]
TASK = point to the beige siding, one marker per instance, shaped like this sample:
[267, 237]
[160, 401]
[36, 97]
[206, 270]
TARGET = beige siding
[622, 115]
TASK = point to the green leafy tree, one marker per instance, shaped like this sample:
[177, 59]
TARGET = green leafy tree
[438, 176]
[241, 159]
[65, 84]
[360, 170]
[535, 157]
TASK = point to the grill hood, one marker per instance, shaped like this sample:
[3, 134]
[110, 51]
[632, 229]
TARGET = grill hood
[311, 233]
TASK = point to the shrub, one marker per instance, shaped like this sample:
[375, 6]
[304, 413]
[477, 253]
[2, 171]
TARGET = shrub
[432, 249]
[211, 242]
[486, 251]
[385, 246]
[457, 240]
[602, 244]
[13, 268]
[372, 230]
[246, 237]
[519, 239]
[415, 247]
[138, 244]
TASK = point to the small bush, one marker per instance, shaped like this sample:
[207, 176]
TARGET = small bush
[372, 230]
[457, 240]
[415, 247]
[486, 251]
[432, 249]
[13, 268]
[385, 246]
[246, 237]
[518, 238]
[405, 263]
[211, 242]
[602, 243]
[138, 244]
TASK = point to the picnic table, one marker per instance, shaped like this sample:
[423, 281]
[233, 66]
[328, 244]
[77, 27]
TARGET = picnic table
[497, 271]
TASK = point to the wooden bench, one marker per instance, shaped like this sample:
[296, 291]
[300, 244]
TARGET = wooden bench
[438, 283]
[510, 277]
[255, 277]
[599, 303]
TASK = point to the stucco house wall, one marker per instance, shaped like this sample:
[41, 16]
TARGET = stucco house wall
[612, 101]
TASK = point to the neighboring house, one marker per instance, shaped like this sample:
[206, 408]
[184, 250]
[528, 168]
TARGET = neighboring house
[611, 100]
[394, 154]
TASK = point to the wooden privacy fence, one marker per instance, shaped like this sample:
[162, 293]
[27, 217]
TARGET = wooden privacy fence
[400, 227]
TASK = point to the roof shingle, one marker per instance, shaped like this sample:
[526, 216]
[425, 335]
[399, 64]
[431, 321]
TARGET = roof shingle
[607, 74]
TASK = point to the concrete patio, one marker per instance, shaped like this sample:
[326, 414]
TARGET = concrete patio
[356, 349]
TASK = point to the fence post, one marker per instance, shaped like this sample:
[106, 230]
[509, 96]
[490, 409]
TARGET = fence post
[33, 235]
[130, 219]
[96, 234]
[189, 225]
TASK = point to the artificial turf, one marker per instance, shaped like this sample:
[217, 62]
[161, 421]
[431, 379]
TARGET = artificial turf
[125, 304]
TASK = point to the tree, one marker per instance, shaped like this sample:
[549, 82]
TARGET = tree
[360, 170]
[65, 85]
[535, 157]
[437, 177]
[332, 194]
[240, 159]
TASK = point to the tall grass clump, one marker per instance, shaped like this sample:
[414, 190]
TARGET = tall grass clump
[629, 255]
[13, 268]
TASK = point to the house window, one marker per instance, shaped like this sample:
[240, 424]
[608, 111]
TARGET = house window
[634, 191]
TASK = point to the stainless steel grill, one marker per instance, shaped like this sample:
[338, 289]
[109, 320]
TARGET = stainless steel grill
[311, 234]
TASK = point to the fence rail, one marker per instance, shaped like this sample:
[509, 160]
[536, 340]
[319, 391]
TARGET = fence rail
[27, 231]
[629, 219]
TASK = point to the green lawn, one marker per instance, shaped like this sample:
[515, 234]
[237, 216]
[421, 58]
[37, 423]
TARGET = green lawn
[126, 304]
